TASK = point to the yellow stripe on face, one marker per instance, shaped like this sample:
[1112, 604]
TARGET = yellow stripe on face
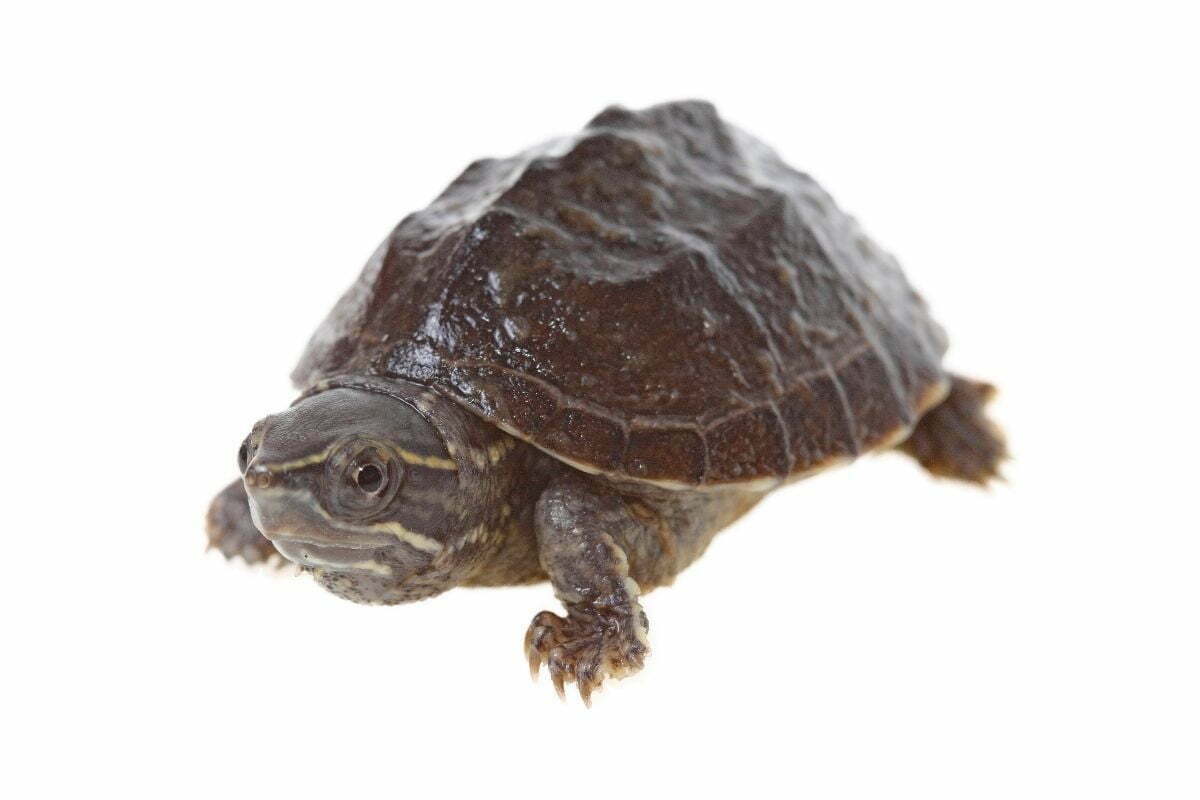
[300, 463]
[411, 538]
[407, 456]
[433, 462]
[357, 566]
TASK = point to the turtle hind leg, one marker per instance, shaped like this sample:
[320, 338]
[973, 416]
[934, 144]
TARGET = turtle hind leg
[231, 529]
[955, 439]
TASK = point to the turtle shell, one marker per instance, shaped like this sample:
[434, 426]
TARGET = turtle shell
[658, 297]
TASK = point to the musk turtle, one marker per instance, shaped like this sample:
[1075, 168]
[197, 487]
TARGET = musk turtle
[580, 363]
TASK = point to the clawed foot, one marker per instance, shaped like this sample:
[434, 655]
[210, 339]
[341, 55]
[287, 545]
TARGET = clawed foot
[587, 646]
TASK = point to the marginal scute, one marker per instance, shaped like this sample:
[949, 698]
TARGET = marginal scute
[816, 419]
[658, 297]
[579, 435]
[520, 402]
[665, 455]
[749, 445]
[879, 403]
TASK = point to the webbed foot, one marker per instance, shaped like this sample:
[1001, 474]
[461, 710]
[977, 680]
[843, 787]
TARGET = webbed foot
[587, 646]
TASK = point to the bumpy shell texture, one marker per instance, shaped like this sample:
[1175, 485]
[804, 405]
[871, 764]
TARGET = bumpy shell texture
[658, 297]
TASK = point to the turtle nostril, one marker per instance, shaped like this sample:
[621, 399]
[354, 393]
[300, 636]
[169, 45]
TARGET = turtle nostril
[258, 477]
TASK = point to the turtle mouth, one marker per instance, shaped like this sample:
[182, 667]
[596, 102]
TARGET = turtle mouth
[324, 556]
[291, 520]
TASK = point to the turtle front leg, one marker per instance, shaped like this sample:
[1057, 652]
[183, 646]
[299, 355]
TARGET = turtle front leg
[579, 525]
[231, 529]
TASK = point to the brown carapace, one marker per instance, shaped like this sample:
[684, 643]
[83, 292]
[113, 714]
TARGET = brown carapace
[580, 363]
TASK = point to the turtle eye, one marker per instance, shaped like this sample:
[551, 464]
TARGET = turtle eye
[244, 455]
[370, 478]
[362, 478]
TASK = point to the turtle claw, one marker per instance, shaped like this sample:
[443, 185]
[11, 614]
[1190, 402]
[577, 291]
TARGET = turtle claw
[585, 694]
[586, 647]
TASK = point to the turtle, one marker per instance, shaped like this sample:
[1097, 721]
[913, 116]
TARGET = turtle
[578, 364]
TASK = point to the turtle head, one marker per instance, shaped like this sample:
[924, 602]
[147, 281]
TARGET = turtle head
[359, 488]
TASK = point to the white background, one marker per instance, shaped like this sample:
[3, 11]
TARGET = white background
[184, 193]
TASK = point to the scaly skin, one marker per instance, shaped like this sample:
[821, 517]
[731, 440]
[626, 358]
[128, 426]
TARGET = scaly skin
[603, 544]
[604, 632]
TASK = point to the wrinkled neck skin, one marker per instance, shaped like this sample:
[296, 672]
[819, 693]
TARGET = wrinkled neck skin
[459, 493]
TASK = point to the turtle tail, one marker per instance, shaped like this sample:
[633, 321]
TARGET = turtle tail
[955, 439]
